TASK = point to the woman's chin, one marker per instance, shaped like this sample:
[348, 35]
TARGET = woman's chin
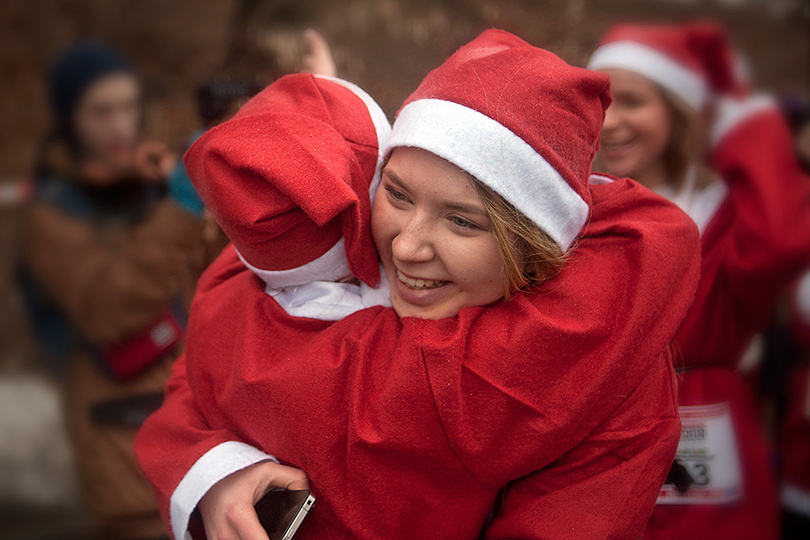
[433, 310]
[424, 303]
[408, 312]
[620, 166]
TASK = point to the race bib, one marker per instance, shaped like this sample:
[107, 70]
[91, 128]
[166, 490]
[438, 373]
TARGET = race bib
[708, 452]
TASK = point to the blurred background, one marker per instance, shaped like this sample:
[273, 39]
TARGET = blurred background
[385, 46]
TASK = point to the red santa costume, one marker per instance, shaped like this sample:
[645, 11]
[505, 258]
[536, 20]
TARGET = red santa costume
[755, 229]
[563, 397]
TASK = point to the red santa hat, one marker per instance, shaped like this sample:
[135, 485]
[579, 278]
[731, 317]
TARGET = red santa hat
[693, 61]
[290, 179]
[519, 120]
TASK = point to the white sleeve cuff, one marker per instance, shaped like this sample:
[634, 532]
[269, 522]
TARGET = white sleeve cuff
[219, 462]
[731, 112]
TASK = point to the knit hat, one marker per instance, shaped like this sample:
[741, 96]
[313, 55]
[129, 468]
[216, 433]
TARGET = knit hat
[518, 119]
[290, 179]
[75, 71]
[693, 61]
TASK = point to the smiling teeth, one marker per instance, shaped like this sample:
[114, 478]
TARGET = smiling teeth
[419, 283]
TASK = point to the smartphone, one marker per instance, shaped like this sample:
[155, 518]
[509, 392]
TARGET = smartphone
[281, 512]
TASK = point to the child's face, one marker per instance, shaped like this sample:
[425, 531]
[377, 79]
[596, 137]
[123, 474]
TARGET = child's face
[433, 235]
[637, 127]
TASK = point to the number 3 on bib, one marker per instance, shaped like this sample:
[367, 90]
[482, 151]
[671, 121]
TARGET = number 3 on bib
[708, 452]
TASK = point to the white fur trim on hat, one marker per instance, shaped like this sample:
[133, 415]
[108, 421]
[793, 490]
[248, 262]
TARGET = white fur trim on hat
[497, 157]
[656, 66]
[381, 125]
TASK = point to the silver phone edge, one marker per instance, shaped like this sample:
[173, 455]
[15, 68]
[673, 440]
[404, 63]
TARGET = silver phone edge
[299, 518]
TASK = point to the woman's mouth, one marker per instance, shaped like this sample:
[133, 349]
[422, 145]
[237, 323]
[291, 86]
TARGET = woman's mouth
[617, 145]
[419, 284]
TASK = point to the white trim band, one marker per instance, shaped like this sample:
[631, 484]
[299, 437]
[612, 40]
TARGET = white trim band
[731, 112]
[331, 266]
[219, 462]
[654, 65]
[497, 157]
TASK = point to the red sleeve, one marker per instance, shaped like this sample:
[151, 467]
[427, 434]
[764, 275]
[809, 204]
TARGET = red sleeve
[605, 488]
[174, 438]
[178, 434]
[519, 384]
[758, 241]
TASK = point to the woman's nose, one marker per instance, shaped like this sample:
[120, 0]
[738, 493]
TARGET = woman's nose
[611, 119]
[413, 243]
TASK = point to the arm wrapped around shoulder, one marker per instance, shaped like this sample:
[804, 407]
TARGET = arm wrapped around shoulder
[520, 384]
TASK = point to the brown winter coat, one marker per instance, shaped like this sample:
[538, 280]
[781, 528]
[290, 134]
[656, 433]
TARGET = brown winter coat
[112, 282]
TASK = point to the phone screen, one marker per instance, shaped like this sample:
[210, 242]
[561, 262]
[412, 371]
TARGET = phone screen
[281, 512]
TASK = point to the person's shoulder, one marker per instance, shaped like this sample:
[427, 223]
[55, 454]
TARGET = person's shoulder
[226, 266]
[619, 203]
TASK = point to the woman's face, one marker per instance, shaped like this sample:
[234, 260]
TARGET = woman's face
[637, 128]
[433, 235]
[107, 118]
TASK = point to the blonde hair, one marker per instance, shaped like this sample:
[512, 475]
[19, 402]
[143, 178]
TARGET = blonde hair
[685, 144]
[529, 256]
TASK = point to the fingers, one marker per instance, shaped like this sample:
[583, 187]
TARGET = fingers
[227, 510]
[318, 59]
[282, 476]
[240, 523]
[246, 522]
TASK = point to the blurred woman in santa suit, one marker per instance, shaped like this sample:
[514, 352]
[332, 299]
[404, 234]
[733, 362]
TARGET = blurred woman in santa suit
[684, 123]
[524, 355]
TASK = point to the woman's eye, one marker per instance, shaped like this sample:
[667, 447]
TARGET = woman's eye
[632, 102]
[396, 195]
[462, 223]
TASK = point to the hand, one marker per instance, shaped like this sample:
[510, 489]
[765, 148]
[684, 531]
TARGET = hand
[228, 508]
[153, 161]
[318, 59]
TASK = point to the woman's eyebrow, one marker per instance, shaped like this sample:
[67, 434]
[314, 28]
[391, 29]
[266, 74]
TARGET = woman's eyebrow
[394, 178]
[467, 208]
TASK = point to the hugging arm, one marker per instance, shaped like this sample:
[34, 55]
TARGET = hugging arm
[183, 457]
[605, 487]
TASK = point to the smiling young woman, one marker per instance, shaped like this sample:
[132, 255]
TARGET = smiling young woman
[649, 134]
[685, 124]
[448, 241]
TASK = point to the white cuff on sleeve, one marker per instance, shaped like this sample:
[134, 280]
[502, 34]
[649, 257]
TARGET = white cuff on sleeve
[731, 112]
[219, 462]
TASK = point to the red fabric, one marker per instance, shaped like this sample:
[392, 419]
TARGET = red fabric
[702, 47]
[758, 241]
[264, 173]
[755, 245]
[561, 95]
[138, 353]
[408, 427]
